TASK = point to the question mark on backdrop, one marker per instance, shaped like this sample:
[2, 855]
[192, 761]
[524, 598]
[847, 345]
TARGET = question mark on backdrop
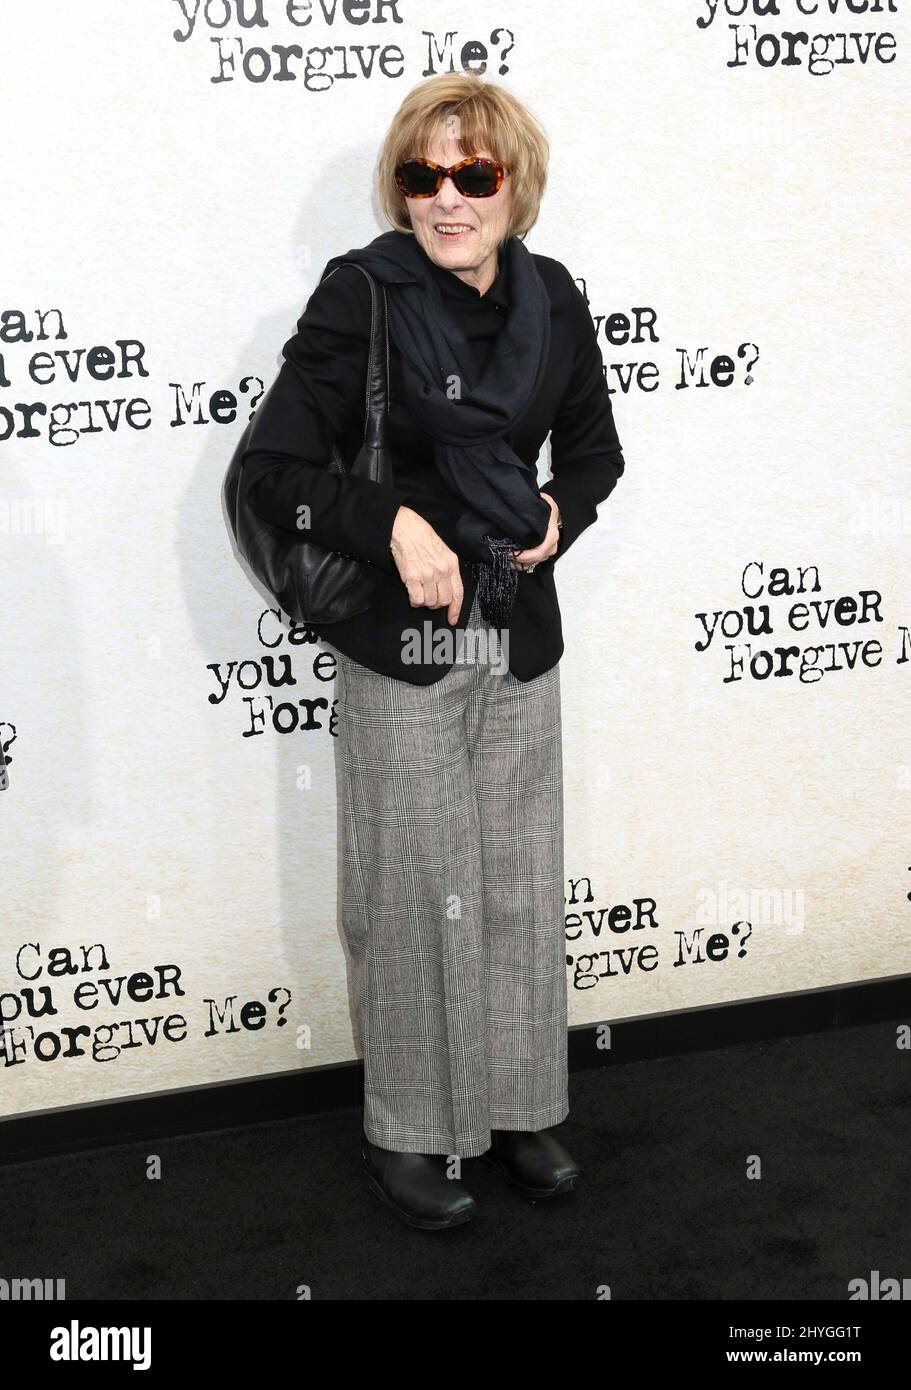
[735, 931]
[741, 352]
[4, 760]
[257, 395]
[272, 996]
[495, 38]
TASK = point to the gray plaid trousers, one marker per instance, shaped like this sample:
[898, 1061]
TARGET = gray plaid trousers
[452, 911]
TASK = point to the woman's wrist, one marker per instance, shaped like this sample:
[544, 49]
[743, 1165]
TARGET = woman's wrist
[555, 508]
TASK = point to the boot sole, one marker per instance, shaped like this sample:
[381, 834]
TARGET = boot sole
[421, 1223]
[564, 1185]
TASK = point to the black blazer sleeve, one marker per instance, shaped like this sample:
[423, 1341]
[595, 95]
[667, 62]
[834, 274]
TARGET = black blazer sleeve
[586, 457]
[318, 393]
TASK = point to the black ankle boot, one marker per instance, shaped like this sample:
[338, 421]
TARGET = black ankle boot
[416, 1187]
[533, 1161]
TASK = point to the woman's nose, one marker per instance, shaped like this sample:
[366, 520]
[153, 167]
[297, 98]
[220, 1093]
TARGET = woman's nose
[448, 195]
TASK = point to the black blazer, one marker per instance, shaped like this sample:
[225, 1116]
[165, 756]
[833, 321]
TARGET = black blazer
[318, 398]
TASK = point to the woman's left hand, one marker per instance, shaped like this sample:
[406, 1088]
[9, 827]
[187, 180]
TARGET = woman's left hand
[527, 559]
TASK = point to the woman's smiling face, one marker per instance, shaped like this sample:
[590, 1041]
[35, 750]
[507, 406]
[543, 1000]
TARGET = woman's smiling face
[470, 253]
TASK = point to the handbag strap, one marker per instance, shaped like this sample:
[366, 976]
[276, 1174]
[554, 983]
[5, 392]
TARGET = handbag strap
[376, 388]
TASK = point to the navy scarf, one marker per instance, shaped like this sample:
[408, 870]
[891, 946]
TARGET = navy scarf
[468, 417]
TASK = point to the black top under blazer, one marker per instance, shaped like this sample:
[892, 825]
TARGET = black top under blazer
[318, 398]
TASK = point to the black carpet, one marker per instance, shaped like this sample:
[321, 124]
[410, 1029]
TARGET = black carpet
[665, 1209]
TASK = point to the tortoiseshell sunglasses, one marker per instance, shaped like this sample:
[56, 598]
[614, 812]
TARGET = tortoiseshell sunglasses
[473, 177]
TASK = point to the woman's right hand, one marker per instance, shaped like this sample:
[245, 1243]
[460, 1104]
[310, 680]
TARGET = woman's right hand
[428, 568]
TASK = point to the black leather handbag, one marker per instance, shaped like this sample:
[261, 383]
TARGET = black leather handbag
[312, 585]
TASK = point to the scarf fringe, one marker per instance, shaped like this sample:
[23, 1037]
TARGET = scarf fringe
[497, 581]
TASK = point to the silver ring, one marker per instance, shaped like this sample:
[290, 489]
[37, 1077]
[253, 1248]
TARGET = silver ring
[529, 568]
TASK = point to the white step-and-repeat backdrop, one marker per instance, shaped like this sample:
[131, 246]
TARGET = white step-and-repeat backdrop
[728, 188]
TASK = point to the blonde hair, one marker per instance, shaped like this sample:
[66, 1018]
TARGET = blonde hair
[482, 115]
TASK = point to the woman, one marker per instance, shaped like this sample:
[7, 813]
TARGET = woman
[451, 765]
